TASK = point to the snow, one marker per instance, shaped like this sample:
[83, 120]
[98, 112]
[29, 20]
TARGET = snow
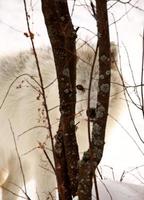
[118, 191]
[112, 190]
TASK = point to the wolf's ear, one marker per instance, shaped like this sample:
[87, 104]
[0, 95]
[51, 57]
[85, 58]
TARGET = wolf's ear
[113, 56]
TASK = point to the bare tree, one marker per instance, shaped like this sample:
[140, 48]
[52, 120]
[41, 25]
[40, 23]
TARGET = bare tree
[62, 36]
[93, 156]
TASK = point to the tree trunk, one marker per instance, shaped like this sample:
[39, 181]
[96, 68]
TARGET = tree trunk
[93, 156]
[62, 36]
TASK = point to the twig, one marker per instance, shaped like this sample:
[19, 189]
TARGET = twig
[126, 131]
[19, 159]
[45, 153]
[4, 188]
[12, 83]
[40, 78]
[32, 128]
[88, 124]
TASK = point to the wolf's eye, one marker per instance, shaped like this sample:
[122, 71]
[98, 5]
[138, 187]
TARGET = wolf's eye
[80, 87]
[91, 113]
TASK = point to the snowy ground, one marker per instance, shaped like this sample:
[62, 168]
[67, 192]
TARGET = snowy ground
[109, 190]
[118, 191]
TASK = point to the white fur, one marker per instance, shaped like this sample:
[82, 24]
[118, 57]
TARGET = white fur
[23, 109]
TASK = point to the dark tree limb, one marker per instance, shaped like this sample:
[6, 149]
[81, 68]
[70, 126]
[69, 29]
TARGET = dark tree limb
[62, 36]
[93, 156]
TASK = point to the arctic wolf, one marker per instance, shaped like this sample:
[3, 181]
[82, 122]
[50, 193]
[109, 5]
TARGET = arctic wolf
[23, 121]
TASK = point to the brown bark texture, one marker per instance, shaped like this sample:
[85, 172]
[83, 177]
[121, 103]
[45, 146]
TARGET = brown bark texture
[93, 156]
[62, 37]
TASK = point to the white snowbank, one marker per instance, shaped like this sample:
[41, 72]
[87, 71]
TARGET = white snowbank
[120, 191]
[112, 190]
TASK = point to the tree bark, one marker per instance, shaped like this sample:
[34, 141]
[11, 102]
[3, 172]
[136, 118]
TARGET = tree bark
[62, 36]
[93, 156]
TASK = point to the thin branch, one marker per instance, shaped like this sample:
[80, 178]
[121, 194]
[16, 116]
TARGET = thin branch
[107, 190]
[12, 83]
[73, 7]
[125, 14]
[132, 74]
[47, 86]
[48, 158]
[10, 191]
[18, 156]
[31, 129]
[88, 108]
[126, 131]
[142, 76]
[40, 75]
